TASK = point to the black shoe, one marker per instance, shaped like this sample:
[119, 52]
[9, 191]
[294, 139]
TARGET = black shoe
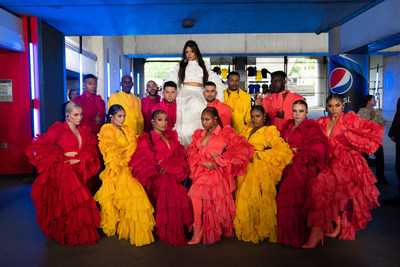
[383, 181]
[371, 162]
[392, 202]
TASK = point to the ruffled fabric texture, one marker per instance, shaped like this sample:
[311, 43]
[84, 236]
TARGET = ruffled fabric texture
[65, 209]
[163, 183]
[190, 103]
[124, 206]
[346, 186]
[190, 100]
[294, 196]
[255, 195]
[215, 187]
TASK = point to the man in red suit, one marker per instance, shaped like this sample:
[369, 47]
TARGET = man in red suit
[278, 106]
[94, 113]
[149, 102]
[224, 111]
[168, 104]
[94, 108]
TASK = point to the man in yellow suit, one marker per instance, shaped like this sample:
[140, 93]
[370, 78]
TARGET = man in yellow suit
[239, 101]
[131, 104]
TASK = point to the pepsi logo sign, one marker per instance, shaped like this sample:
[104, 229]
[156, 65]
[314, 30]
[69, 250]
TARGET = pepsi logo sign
[340, 81]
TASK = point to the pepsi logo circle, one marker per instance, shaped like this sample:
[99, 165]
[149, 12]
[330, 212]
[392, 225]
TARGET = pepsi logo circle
[340, 81]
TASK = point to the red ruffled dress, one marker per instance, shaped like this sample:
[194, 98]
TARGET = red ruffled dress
[346, 186]
[164, 188]
[293, 201]
[66, 211]
[215, 187]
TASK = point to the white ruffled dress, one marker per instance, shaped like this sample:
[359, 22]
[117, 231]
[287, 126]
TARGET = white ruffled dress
[190, 101]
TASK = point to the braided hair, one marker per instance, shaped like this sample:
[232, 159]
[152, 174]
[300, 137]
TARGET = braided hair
[334, 96]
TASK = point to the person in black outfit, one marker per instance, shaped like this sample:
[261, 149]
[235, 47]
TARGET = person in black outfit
[394, 134]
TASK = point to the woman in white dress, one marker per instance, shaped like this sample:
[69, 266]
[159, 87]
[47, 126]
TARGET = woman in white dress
[190, 74]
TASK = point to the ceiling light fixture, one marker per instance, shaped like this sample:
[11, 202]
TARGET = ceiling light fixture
[187, 23]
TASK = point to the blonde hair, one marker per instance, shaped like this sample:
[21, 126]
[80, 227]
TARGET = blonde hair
[70, 106]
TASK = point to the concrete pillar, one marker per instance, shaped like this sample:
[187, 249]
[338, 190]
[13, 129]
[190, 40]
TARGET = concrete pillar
[138, 77]
[95, 45]
[334, 41]
[52, 78]
[239, 64]
[320, 82]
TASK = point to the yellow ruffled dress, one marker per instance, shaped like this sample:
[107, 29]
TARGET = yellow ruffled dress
[255, 195]
[124, 206]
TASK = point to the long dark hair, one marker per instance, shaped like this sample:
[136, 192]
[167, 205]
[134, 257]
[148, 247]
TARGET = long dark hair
[213, 112]
[113, 110]
[184, 62]
[365, 100]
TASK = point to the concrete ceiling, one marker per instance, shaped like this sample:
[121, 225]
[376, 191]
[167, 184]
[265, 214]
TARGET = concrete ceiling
[149, 17]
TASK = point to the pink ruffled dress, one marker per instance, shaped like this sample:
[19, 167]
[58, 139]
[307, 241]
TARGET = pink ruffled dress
[215, 187]
[346, 186]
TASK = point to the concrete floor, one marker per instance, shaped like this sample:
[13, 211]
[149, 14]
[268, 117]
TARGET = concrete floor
[22, 243]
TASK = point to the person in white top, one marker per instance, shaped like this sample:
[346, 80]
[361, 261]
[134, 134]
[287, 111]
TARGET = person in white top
[368, 112]
[190, 74]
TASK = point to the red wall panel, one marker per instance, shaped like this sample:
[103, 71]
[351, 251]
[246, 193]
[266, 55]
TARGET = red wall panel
[15, 117]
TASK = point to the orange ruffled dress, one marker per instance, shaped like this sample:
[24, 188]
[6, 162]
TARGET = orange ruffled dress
[215, 187]
[65, 209]
[255, 195]
[346, 186]
[124, 206]
[161, 169]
